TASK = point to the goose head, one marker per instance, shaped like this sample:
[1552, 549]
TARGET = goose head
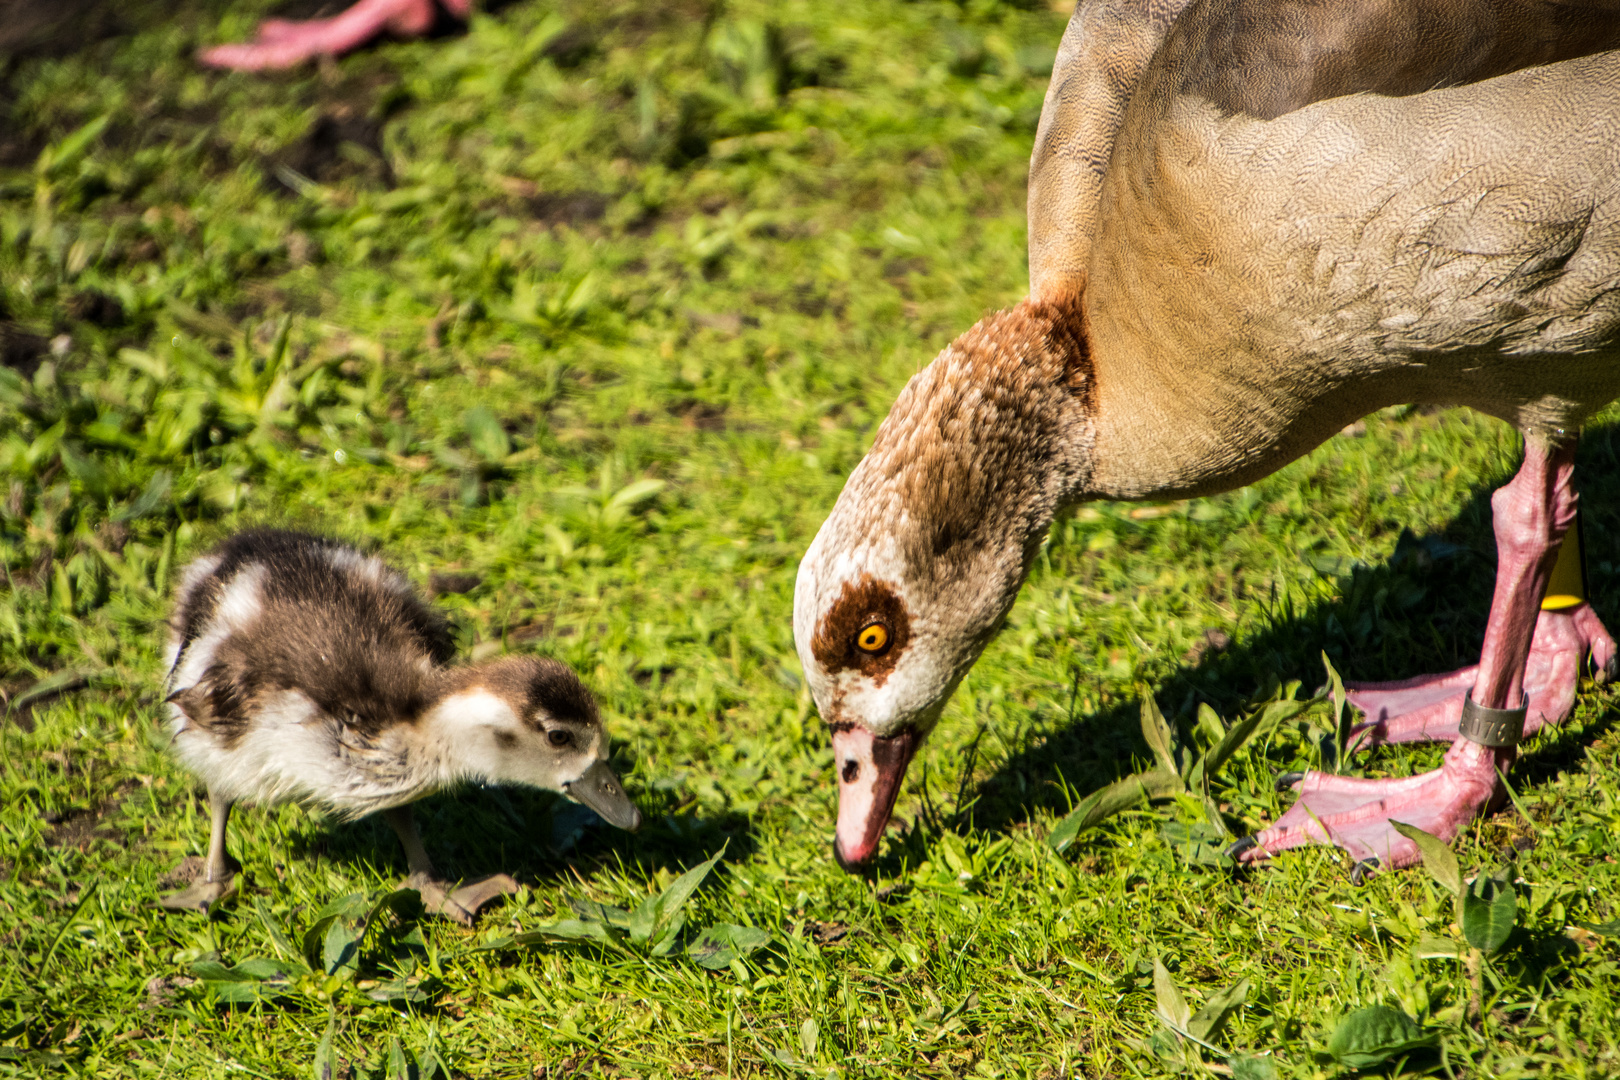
[926, 548]
[528, 720]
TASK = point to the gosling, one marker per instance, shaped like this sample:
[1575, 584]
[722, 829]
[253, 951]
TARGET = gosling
[303, 669]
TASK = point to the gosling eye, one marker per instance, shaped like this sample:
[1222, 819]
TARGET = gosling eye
[873, 639]
[559, 738]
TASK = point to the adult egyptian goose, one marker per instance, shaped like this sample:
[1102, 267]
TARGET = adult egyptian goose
[284, 43]
[303, 669]
[1252, 222]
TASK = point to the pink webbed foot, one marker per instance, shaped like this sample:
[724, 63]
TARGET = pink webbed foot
[1429, 707]
[284, 44]
[1355, 814]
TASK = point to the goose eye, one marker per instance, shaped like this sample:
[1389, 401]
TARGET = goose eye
[873, 638]
[559, 738]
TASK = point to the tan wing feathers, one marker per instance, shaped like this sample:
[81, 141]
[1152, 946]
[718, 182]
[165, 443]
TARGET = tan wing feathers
[1262, 58]
[1265, 58]
[1104, 51]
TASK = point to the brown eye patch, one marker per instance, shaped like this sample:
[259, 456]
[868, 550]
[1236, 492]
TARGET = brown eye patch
[866, 629]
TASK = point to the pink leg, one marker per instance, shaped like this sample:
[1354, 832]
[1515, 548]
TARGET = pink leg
[283, 44]
[1531, 514]
[1428, 708]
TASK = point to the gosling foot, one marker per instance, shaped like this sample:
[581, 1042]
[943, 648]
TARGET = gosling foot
[460, 904]
[201, 895]
[1428, 708]
[1355, 814]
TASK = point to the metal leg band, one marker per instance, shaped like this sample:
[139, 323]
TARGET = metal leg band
[1499, 728]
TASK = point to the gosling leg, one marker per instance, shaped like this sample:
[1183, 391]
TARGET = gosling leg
[459, 904]
[219, 874]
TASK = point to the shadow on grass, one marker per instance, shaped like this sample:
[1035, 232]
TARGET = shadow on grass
[1422, 611]
[535, 836]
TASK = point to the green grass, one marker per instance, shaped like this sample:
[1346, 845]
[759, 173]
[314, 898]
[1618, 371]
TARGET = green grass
[598, 304]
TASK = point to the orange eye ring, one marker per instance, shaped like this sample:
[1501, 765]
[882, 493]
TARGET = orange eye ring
[872, 639]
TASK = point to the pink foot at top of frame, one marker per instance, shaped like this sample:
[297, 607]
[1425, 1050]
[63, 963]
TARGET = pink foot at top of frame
[283, 44]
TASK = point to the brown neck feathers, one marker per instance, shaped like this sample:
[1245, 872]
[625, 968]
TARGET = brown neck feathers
[1069, 338]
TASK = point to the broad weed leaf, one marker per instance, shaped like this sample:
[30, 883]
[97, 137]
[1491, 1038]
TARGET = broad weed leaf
[1438, 858]
[1341, 719]
[325, 1066]
[404, 903]
[665, 942]
[399, 989]
[258, 969]
[1434, 947]
[1158, 735]
[315, 938]
[236, 993]
[606, 914]
[955, 855]
[1120, 795]
[1607, 929]
[1252, 1068]
[278, 934]
[1172, 1007]
[968, 1003]
[1198, 844]
[211, 971]
[1207, 1022]
[486, 436]
[642, 920]
[262, 968]
[635, 492]
[1489, 909]
[246, 982]
[56, 160]
[716, 947]
[151, 497]
[668, 903]
[399, 1067]
[1280, 712]
[1230, 742]
[340, 949]
[809, 1039]
[568, 930]
[1373, 1035]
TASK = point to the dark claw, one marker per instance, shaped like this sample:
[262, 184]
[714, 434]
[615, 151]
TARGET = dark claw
[1247, 843]
[1363, 870]
[1288, 780]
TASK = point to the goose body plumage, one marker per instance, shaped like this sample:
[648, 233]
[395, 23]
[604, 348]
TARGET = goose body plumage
[302, 669]
[1352, 254]
[1251, 223]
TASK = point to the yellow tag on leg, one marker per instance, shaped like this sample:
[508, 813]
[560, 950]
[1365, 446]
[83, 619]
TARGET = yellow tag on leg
[1567, 587]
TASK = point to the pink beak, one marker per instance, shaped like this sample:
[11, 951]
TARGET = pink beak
[870, 769]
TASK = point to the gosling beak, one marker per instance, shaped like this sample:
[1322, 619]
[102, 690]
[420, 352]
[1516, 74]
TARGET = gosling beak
[600, 790]
[870, 769]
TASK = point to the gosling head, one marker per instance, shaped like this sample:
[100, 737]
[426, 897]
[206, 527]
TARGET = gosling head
[528, 720]
[927, 546]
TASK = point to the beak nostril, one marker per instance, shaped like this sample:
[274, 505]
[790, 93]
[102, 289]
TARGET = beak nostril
[851, 771]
